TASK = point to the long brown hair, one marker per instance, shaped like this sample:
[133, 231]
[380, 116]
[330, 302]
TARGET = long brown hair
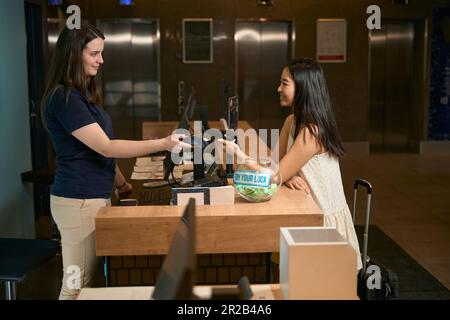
[312, 105]
[66, 68]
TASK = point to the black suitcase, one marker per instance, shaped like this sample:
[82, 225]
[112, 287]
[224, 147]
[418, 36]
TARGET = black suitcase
[374, 281]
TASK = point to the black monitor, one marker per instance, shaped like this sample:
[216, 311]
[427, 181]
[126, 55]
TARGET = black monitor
[177, 275]
[191, 104]
[187, 115]
[189, 110]
[198, 143]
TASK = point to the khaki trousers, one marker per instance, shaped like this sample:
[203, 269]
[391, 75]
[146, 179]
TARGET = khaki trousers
[75, 219]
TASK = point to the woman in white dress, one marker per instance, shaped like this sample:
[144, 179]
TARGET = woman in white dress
[310, 146]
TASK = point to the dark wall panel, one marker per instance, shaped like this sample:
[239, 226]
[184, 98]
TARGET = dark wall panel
[348, 82]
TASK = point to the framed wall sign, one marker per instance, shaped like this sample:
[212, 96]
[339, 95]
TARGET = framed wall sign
[197, 40]
[331, 40]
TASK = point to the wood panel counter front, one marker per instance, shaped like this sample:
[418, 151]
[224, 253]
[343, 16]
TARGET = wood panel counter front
[242, 227]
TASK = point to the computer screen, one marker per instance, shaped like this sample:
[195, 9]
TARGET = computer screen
[177, 276]
[191, 104]
[189, 110]
[233, 112]
[187, 115]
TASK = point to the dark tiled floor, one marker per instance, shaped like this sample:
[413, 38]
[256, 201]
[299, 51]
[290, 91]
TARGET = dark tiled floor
[410, 203]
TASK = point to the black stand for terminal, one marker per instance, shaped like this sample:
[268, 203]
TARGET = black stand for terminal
[200, 179]
[229, 166]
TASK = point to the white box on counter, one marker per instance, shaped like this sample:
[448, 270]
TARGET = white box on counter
[317, 263]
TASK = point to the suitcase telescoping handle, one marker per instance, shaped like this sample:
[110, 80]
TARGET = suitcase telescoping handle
[368, 186]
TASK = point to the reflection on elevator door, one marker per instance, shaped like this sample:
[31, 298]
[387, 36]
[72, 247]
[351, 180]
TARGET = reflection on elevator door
[391, 73]
[131, 85]
[262, 50]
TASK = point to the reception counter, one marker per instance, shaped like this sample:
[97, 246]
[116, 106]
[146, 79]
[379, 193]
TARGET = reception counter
[232, 240]
[238, 228]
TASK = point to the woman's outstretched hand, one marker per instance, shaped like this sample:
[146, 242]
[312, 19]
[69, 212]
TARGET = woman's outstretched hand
[232, 148]
[174, 143]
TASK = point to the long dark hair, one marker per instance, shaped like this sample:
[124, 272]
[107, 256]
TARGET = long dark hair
[312, 106]
[66, 68]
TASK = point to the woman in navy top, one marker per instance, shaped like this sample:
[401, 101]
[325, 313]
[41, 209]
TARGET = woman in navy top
[83, 139]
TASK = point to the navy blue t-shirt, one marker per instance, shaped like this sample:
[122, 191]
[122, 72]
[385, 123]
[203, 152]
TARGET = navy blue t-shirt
[81, 172]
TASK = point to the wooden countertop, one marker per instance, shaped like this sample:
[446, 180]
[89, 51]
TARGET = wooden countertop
[242, 227]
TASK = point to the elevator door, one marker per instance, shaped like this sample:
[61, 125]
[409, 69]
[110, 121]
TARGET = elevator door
[130, 74]
[391, 73]
[263, 48]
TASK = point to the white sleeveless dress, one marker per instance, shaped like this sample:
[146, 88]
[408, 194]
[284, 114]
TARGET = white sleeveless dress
[323, 175]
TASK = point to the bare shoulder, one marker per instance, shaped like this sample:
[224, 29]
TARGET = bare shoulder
[288, 121]
[306, 134]
[290, 118]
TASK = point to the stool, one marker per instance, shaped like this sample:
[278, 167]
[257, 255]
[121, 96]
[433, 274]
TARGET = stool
[20, 256]
[43, 177]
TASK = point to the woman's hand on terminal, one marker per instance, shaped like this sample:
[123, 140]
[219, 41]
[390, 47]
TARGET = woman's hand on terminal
[297, 183]
[174, 143]
[232, 148]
